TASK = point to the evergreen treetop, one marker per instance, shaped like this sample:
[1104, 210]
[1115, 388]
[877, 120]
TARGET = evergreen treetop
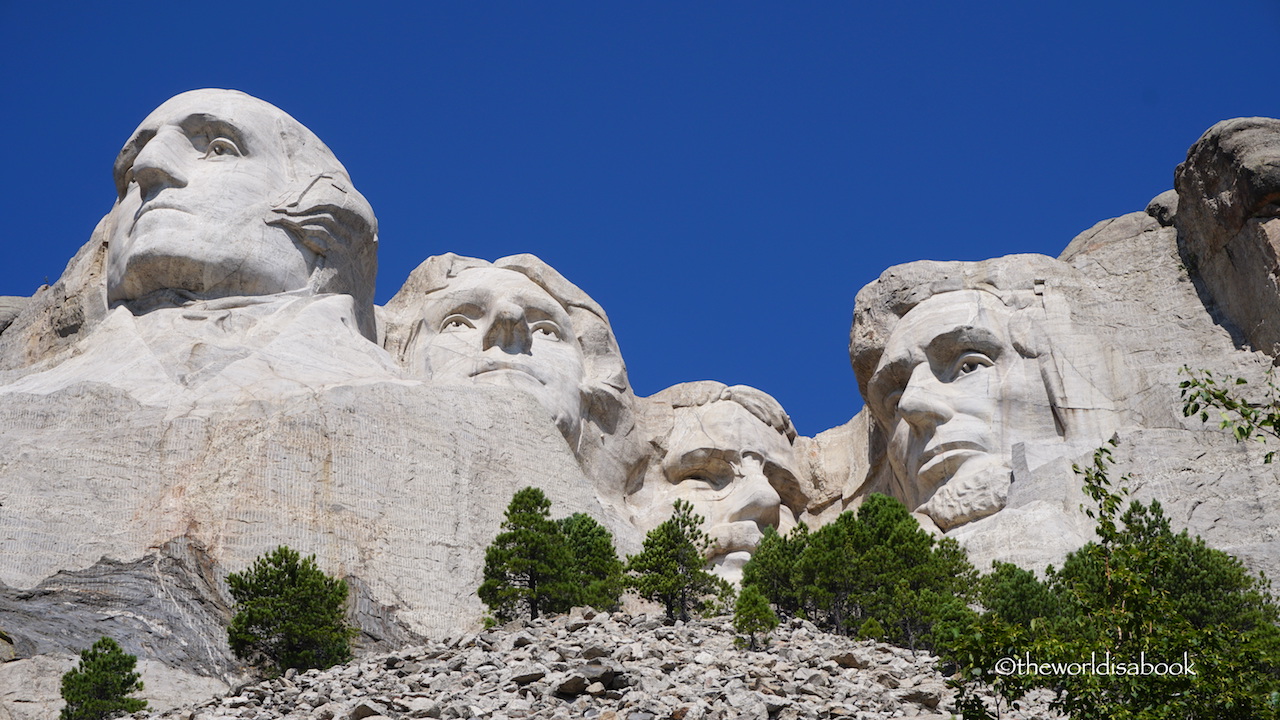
[670, 569]
[99, 687]
[290, 614]
[527, 567]
[594, 568]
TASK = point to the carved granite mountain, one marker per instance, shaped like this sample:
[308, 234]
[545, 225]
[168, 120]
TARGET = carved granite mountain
[209, 379]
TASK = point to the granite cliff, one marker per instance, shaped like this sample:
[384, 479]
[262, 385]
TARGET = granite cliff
[209, 378]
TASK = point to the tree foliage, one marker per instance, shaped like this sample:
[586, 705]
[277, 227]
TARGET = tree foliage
[537, 565]
[670, 567]
[752, 616]
[1247, 420]
[289, 614]
[875, 564]
[1139, 591]
[526, 568]
[773, 569]
[595, 572]
[99, 687]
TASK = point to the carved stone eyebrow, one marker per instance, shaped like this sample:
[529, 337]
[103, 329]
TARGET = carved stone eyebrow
[213, 126]
[968, 337]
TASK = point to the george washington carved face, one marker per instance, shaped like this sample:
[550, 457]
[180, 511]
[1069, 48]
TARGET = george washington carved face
[221, 194]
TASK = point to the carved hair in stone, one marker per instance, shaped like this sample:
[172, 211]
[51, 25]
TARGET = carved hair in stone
[519, 323]
[969, 368]
[220, 195]
[729, 452]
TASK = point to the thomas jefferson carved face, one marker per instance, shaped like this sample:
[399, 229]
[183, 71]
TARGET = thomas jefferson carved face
[196, 184]
[955, 396]
[491, 326]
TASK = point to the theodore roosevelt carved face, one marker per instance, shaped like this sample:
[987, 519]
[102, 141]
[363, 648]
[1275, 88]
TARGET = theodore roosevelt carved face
[222, 194]
[954, 395]
[491, 326]
[728, 452]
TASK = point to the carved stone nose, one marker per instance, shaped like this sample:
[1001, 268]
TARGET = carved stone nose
[159, 163]
[509, 330]
[923, 403]
[754, 497]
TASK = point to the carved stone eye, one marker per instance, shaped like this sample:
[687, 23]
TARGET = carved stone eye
[971, 362]
[220, 146]
[455, 323]
[547, 330]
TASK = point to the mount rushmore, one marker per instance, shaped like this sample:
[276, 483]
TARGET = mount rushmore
[210, 378]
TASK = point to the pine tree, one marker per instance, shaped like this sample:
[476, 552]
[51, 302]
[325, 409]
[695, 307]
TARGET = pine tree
[100, 685]
[879, 564]
[752, 615]
[1139, 591]
[527, 567]
[670, 568]
[290, 614]
[772, 568]
[595, 572]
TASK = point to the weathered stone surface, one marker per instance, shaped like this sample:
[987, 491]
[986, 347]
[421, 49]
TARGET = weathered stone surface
[980, 375]
[729, 452]
[1229, 225]
[518, 323]
[10, 307]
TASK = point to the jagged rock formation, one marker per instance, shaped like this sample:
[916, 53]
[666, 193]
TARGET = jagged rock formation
[612, 667]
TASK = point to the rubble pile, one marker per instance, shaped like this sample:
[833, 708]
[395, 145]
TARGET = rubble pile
[604, 666]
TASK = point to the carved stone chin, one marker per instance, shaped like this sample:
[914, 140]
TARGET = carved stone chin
[976, 493]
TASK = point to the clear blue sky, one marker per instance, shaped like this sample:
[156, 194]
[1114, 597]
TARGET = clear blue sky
[722, 177]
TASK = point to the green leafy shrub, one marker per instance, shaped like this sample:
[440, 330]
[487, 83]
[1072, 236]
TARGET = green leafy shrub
[595, 572]
[875, 564]
[289, 614]
[1247, 420]
[773, 569]
[99, 687]
[1138, 591]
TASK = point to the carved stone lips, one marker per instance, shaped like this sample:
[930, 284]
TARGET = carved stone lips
[941, 461]
[155, 205]
[489, 365]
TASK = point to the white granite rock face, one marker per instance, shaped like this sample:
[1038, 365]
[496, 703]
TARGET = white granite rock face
[163, 390]
[1229, 224]
[981, 376]
[209, 379]
[518, 323]
[728, 451]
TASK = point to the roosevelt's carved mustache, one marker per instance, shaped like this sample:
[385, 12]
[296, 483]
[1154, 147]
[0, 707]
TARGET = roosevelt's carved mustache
[735, 536]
